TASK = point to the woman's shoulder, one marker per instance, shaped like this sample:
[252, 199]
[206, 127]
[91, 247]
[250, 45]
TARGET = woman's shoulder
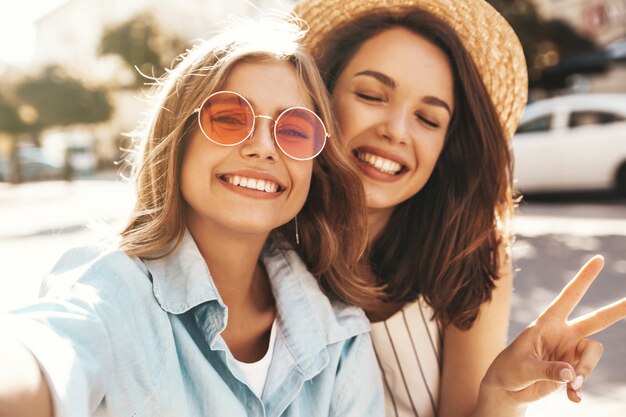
[297, 288]
[101, 269]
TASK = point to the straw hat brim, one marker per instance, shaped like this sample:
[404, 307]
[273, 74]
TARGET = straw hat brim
[487, 36]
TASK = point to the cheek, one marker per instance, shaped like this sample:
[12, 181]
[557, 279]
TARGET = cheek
[190, 177]
[301, 174]
[305, 177]
[199, 161]
[345, 115]
[431, 151]
[193, 161]
[353, 125]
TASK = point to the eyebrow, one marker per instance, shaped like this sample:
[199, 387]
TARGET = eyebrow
[437, 102]
[256, 112]
[385, 79]
[389, 82]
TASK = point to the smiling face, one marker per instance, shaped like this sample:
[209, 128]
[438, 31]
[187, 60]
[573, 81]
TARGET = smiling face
[394, 101]
[252, 187]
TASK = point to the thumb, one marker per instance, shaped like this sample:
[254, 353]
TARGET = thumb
[554, 371]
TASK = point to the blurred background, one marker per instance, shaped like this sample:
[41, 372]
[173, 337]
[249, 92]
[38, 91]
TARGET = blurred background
[74, 75]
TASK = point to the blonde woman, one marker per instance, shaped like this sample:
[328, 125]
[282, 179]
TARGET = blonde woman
[208, 307]
[427, 94]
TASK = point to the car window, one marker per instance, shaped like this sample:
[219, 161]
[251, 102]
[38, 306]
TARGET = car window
[593, 117]
[538, 124]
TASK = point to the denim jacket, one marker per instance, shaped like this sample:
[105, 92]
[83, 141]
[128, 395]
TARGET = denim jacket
[118, 336]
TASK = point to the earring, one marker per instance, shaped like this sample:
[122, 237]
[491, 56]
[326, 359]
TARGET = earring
[297, 233]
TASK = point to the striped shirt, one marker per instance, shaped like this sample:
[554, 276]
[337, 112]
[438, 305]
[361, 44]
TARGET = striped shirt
[408, 350]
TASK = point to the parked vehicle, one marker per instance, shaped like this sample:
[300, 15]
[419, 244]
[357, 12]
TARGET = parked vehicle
[572, 143]
[33, 165]
[78, 146]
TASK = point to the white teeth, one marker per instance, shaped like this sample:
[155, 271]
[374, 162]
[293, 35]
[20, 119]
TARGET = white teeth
[382, 164]
[253, 184]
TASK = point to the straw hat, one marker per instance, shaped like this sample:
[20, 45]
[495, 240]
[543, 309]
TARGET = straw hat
[487, 36]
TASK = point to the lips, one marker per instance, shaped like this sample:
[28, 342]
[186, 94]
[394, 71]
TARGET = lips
[379, 162]
[252, 181]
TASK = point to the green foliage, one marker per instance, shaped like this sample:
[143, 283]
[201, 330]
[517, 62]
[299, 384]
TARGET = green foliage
[60, 100]
[570, 43]
[10, 121]
[142, 45]
[545, 43]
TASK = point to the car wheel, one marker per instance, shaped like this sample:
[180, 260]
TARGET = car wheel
[621, 180]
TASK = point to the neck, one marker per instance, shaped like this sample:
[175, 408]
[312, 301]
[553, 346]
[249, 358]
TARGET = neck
[233, 260]
[377, 220]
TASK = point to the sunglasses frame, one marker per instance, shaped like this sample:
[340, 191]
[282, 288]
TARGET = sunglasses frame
[262, 116]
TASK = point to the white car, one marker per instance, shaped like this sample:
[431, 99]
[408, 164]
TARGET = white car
[572, 143]
[80, 146]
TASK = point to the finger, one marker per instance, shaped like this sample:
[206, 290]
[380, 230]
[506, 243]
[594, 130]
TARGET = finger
[589, 353]
[553, 371]
[574, 395]
[600, 319]
[569, 297]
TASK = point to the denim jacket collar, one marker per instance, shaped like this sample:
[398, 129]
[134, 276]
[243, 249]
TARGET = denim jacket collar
[301, 304]
[181, 280]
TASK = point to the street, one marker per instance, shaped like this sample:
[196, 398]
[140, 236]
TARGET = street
[554, 239]
[39, 221]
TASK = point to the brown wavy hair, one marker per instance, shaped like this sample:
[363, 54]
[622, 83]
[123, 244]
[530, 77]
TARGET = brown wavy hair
[332, 223]
[443, 243]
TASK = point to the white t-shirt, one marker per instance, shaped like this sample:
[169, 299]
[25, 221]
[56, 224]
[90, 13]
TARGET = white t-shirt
[255, 373]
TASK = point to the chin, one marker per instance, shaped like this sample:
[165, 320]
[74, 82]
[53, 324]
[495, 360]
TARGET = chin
[379, 202]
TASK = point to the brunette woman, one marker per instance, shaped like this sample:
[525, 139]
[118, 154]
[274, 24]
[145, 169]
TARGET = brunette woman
[427, 94]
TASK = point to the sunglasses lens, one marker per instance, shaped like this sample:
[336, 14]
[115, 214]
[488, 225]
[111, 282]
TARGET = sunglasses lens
[226, 118]
[300, 133]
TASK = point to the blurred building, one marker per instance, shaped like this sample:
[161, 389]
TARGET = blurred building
[604, 21]
[70, 36]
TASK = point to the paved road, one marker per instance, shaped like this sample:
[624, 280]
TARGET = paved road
[555, 238]
[39, 221]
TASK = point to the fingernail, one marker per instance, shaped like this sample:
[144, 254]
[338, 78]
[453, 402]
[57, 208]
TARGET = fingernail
[577, 383]
[566, 375]
[578, 394]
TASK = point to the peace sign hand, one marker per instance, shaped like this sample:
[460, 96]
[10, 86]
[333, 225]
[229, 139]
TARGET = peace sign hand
[553, 351]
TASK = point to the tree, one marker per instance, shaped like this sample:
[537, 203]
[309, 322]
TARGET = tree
[61, 100]
[12, 124]
[49, 99]
[547, 44]
[10, 121]
[142, 45]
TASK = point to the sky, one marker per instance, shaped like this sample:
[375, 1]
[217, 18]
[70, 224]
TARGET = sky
[17, 28]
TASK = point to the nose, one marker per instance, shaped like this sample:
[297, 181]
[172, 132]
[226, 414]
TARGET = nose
[395, 127]
[261, 145]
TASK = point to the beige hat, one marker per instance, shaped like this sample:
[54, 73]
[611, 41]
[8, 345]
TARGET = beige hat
[487, 36]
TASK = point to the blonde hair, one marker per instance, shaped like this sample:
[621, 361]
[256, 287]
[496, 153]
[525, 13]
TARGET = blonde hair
[332, 223]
